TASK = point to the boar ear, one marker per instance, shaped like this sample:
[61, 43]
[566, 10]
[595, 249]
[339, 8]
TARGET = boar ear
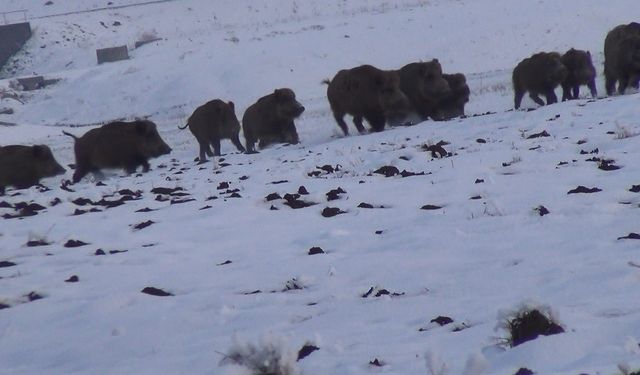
[589, 54]
[232, 106]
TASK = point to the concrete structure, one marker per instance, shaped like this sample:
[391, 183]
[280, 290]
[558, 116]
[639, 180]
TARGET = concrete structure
[112, 54]
[12, 38]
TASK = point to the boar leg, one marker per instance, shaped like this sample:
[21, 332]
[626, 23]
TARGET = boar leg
[518, 98]
[576, 91]
[204, 150]
[1, 190]
[80, 172]
[623, 83]
[339, 116]
[592, 88]
[551, 96]
[357, 121]
[376, 120]
[536, 98]
[216, 146]
[566, 92]
[236, 142]
[610, 84]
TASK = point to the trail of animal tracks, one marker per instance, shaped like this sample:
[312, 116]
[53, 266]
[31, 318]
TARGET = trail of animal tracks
[163, 271]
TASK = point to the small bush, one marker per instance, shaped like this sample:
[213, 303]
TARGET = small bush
[269, 357]
[529, 322]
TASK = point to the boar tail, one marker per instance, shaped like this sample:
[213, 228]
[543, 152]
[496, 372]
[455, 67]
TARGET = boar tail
[185, 126]
[70, 135]
[326, 81]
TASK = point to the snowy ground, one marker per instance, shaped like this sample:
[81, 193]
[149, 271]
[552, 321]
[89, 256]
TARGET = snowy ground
[468, 260]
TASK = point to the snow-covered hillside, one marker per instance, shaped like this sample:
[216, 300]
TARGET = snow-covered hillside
[238, 265]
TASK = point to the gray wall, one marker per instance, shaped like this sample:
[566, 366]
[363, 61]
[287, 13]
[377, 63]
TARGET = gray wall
[12, 38]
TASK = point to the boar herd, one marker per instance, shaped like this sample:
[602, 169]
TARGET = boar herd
[416, 92]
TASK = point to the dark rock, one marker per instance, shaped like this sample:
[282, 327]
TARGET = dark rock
[480, 140]
[223, 185]
[542, 210]
[155, 292]
[224, 263]
[6, 263]
[365, 205]
[594, 151]
[630, 236]
[524, 371]
[376, 362]
[378, 232]
[100, 252]
[430, 207]
[82, 201]
[582, 189]
[34, 296]
[303, 190]
[538, 135]
[306, 350]
[75, 243]
[476, 197]
[278, 182]
[179, 201]
[143, 225]
[387, 171]
[146, 209]
[331, 211]
[316, 250]
[635, 189]
[72, 279]
[335, 194]
[204, 208]
[272, 197]
[479, 181]
[34, 243]
[442, 320]
[607, 165]
[166, 191]
[437, 151]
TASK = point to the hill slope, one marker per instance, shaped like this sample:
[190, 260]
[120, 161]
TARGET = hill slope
[486, 249]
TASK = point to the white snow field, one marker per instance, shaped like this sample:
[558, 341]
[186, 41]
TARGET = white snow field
[237, 266]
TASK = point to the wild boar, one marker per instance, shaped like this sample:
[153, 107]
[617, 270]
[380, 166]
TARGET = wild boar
[580, 71]
[452, 105]
[425, 87]
[212, 122]
[271, 120]
[118, 145]
[539, 74]
[24, 166]
[366, 92]
[622, 57]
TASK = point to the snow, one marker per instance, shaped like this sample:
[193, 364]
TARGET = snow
[471, 260]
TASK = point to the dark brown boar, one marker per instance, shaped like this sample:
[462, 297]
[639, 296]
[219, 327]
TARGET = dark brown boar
[271, 120]
[580, 71]
[539, 74]
[366, 92]
[118, 145]
[24, 166]
[425, 87]
[212, 122]
[622, 57]
[452, 105]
